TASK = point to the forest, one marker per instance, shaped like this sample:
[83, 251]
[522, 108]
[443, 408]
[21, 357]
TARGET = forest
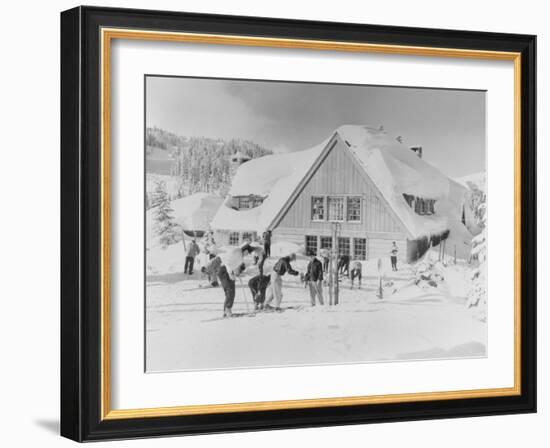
[198, 164]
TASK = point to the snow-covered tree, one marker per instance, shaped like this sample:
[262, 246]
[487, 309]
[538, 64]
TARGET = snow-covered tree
[200, 164]
[477, 296]
[477, 200]
[165, 225]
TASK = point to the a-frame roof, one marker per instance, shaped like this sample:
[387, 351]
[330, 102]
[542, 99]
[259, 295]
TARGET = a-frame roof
[388, 166]
[336, 140]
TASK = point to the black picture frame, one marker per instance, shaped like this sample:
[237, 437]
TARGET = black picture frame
[81, 224]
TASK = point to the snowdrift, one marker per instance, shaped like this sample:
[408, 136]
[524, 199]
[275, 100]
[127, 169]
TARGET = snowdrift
[193, 212]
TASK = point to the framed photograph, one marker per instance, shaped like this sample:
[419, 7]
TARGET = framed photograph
[272, 223]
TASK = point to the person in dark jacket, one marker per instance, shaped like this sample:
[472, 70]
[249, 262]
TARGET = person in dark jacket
[314, 278]
[282, 267]
[393, 256]
[258, 286]
[192, 251]
[267, 243]
[356, 273]
[227, 267]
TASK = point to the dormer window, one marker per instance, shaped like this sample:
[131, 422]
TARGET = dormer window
[247, 202]
[244, 202]
[421, 206]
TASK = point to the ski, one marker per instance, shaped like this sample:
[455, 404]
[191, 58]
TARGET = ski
[233, 316]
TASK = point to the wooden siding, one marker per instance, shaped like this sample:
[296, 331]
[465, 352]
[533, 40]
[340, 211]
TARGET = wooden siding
[339, 175]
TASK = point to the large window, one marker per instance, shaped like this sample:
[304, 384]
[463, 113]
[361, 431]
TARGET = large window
[354, 209]
[311, 244]
[234, 238]
[335, 208]
[317, 208]
[326, 242]
[343, 246]
[359, 248]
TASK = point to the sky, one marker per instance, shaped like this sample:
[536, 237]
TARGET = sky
[288, 116]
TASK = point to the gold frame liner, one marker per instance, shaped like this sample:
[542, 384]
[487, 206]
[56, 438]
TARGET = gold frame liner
[107, 35]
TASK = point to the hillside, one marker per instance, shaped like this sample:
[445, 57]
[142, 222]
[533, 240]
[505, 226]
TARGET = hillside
[198, 164]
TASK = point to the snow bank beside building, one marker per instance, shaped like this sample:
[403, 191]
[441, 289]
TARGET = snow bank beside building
[191, 213]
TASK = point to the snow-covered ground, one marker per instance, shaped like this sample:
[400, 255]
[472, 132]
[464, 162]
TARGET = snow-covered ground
[412, 322]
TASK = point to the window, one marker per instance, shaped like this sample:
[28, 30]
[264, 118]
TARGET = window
[249, 236]
[359, 248]
[311, 244]
[420, 206]
[354, 209]
[244, 202]
[343, 246]
[326, 242]
[317, 208]
[335, 208]
[234, 238]
[258, 201]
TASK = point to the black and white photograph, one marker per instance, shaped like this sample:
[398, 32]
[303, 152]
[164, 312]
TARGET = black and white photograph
[294, 223]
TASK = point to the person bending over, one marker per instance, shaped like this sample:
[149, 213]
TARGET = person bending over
[258, 286]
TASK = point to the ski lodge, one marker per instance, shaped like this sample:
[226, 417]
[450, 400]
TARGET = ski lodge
[377, 189]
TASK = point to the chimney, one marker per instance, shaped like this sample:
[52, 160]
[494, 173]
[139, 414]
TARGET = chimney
[417, 150]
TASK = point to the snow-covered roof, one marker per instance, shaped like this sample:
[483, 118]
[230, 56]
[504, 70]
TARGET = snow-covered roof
[396, 170]
[195, 212]
[477, 179]
[392, 167]
[275, 177]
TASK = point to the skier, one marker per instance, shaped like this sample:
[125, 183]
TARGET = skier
[212, 270]
[314, 278]
[260, 261]
[343, 264]
[356, 273]
[325, 255]
[258, 286]
[192, 251]
[267, 243]
[232, 264]
[209, 253]
[276, 291]
[393, 256]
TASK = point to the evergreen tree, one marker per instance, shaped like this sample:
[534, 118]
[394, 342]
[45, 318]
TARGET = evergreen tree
[477, 296]
[164, 221]
[200, 164]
